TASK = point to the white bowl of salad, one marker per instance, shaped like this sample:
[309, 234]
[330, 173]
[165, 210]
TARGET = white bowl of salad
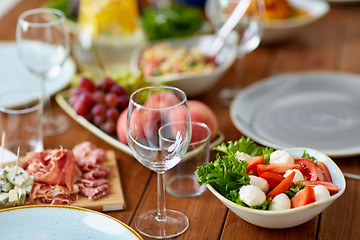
[181, 63]
[272, 188]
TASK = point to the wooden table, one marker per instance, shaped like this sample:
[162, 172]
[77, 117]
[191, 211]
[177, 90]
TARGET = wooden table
[332, 43]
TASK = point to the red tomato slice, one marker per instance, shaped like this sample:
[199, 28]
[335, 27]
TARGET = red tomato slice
[252, 164]
[272, 178]
[323, 170]
[308, 168]
[303, 197]
[279, 168]
[330, 186]
[282, 187]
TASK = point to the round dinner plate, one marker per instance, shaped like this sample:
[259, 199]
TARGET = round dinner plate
[319, 110]
[61, 222]
[14, 75]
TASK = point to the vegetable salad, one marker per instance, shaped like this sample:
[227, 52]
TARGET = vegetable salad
[265, 178]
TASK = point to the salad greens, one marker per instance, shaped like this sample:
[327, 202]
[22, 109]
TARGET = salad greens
[171, 20]
[226, 174]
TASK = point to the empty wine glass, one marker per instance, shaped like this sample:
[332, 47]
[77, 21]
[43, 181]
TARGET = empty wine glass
[247, 34]
[43, 45]
[159, 133]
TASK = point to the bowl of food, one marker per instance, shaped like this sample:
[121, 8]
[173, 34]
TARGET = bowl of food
[182, 63]
[272, 188]
[283, 18]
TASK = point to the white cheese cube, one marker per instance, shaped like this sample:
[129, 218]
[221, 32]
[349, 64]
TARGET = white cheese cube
[259, 182]
[280, 202]
[298, 175]
[241, 156]
[281, 156]
[252, 195]
[2, 174]
[321, 192]
[13, 197]
[7, 187]
[21, 195]
[4, 198]
[17, 176]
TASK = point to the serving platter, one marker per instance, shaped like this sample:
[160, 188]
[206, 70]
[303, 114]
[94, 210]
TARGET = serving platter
[318, 110]
[61, 222]
[114, 201]
[62, 99]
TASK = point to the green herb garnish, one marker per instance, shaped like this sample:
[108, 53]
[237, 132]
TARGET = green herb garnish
[294, 189]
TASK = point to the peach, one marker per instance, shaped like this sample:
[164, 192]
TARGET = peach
[199, 112]
[162, 99]
[121, 127]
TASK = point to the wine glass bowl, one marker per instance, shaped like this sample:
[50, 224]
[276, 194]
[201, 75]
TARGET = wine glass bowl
[249, 32]
[158, 133]
[43, 46]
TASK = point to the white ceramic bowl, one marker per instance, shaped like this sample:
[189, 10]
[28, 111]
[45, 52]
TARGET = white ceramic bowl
[291, 217]
[192, 84]
[277, 30]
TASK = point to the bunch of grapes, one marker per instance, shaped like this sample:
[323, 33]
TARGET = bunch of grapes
[100, 103]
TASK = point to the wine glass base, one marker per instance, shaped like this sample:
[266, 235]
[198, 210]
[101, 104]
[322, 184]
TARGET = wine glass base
[55, 125]
[175, 224]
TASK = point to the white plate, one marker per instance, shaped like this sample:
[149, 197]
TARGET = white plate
[13, 73]
[61, 222]
[62, 99]
[7, 156]
[319, 110]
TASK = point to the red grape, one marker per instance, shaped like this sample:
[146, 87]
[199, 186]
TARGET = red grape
[123, 101]
[81, 109]
[86, 98]
[111, 99]
[109, 127]
[99, 119]
[98, 96]
[75, 91]
[105, 83]
[98, 109]
[119, 90]
[86, 84]
[112, 113]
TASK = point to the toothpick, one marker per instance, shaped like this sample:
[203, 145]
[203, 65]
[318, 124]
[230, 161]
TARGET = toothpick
[17, 159]
[2, 149]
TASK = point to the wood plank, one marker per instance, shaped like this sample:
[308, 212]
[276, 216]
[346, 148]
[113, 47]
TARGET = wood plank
[235, 227]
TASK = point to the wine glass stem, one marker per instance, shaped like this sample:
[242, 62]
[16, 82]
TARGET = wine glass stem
[161, 214]
[46, 100]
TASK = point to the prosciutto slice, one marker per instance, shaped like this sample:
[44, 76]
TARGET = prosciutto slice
[55, 174]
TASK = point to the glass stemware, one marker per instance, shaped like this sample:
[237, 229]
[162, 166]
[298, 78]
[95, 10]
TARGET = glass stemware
[249, 31]
[43, 45]
[159, 133]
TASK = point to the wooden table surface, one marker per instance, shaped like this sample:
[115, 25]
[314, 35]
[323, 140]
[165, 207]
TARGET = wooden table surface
[331, 44]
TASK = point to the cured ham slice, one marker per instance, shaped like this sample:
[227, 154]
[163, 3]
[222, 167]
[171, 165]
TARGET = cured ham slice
[55, 174]
[92, 183]
[94, 193]
[88, 155]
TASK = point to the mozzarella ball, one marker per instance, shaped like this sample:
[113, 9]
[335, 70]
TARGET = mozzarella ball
[321, 192]
[280, 202]
[259, 182]
[241, 156]
[298, 175]
[252, 195]
[281, 156]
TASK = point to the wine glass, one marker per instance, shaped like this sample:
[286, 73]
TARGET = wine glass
[159, 133]
[43, 45]
[247, 34]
